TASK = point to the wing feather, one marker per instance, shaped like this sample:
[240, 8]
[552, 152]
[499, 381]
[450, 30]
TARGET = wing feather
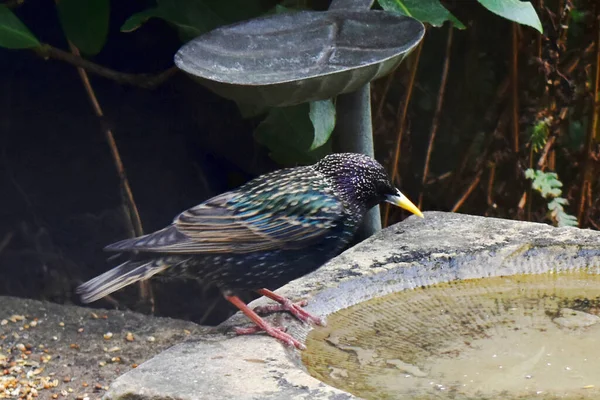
[248, 220]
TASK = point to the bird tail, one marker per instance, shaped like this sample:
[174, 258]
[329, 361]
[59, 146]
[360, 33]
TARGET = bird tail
[119, 277]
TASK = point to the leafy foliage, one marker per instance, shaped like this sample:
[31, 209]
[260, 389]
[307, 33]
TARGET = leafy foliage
[433, 12]
[430, 11]
[576, 133]
[558, 213]
[294, 134]
[85, 23]
[518, 11]
[192, 18]
[290, 136]
[539, 135]
[322, 116]
[13, 33]
[549, 186]
[546, 183]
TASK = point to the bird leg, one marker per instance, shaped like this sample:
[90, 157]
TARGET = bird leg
[277, 333]
[287, 305]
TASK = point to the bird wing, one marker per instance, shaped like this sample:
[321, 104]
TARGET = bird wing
[241, 222]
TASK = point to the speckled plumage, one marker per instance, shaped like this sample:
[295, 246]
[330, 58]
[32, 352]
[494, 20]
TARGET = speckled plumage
[274, 229]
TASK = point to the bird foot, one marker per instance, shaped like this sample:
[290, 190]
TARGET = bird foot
[293, 308]
[262, 325]
[276, 332]
[287, 305]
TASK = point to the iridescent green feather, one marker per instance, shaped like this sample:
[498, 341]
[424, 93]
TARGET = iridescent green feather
[287, 209]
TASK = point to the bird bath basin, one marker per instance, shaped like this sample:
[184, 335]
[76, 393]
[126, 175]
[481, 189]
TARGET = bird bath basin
[292, 58]
[518, 337]
[447, 307]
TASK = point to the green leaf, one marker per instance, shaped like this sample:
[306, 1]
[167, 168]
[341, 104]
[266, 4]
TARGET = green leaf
[288, 133]
[530, 173]
[248, 110]
[546, 183]
[578, 16]
[565, 219]
[431, 11]
[194, 17]
[558, 213]
[539, 135]
[287, 6]
[322, 116]
[577, 132]
[518, 11]
[557, 203]
[85, 23]
[137, 19]
[13, 33]
[190, 18]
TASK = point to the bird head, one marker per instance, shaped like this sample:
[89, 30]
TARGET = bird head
[362, 181]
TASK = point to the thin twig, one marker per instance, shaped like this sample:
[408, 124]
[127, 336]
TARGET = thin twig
[544, 154]
[438, 111]
[514, 74]
[209, 310]
[539, 37]
[112, 144]
[530, 189]
[384, 92]
[440, 178]
[571, 65]
[593, 130]
[135, 221]
[540, 165]
[491, 113]
[6, 241]
[595, 225]
[401, 120]
[490, 188]
[146, 81]
[485, 154]
[522, 202]
[565, 21]
[13, 3]
[468, 192]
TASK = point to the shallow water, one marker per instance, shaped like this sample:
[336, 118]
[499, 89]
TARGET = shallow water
[523, 336]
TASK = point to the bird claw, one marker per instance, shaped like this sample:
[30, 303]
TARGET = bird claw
[271, 308]
[276, 332]
[287, 305]
[293, 308]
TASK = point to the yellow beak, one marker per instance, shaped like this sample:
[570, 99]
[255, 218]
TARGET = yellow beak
[401, 200]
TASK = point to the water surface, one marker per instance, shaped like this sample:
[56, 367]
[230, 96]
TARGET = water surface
[516, 337]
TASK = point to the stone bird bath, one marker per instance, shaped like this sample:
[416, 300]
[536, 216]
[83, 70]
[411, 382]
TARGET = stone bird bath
[450, 306]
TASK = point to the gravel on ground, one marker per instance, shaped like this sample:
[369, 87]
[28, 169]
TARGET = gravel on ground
[52, 351]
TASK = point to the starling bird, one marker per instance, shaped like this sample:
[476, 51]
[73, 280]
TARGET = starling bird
[260, 236]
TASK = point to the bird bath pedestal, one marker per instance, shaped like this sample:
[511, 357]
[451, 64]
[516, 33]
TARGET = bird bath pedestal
[440, 264]
[292, 58]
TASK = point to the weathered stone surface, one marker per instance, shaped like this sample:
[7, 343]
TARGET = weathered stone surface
[416, 252]
[222, 368]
